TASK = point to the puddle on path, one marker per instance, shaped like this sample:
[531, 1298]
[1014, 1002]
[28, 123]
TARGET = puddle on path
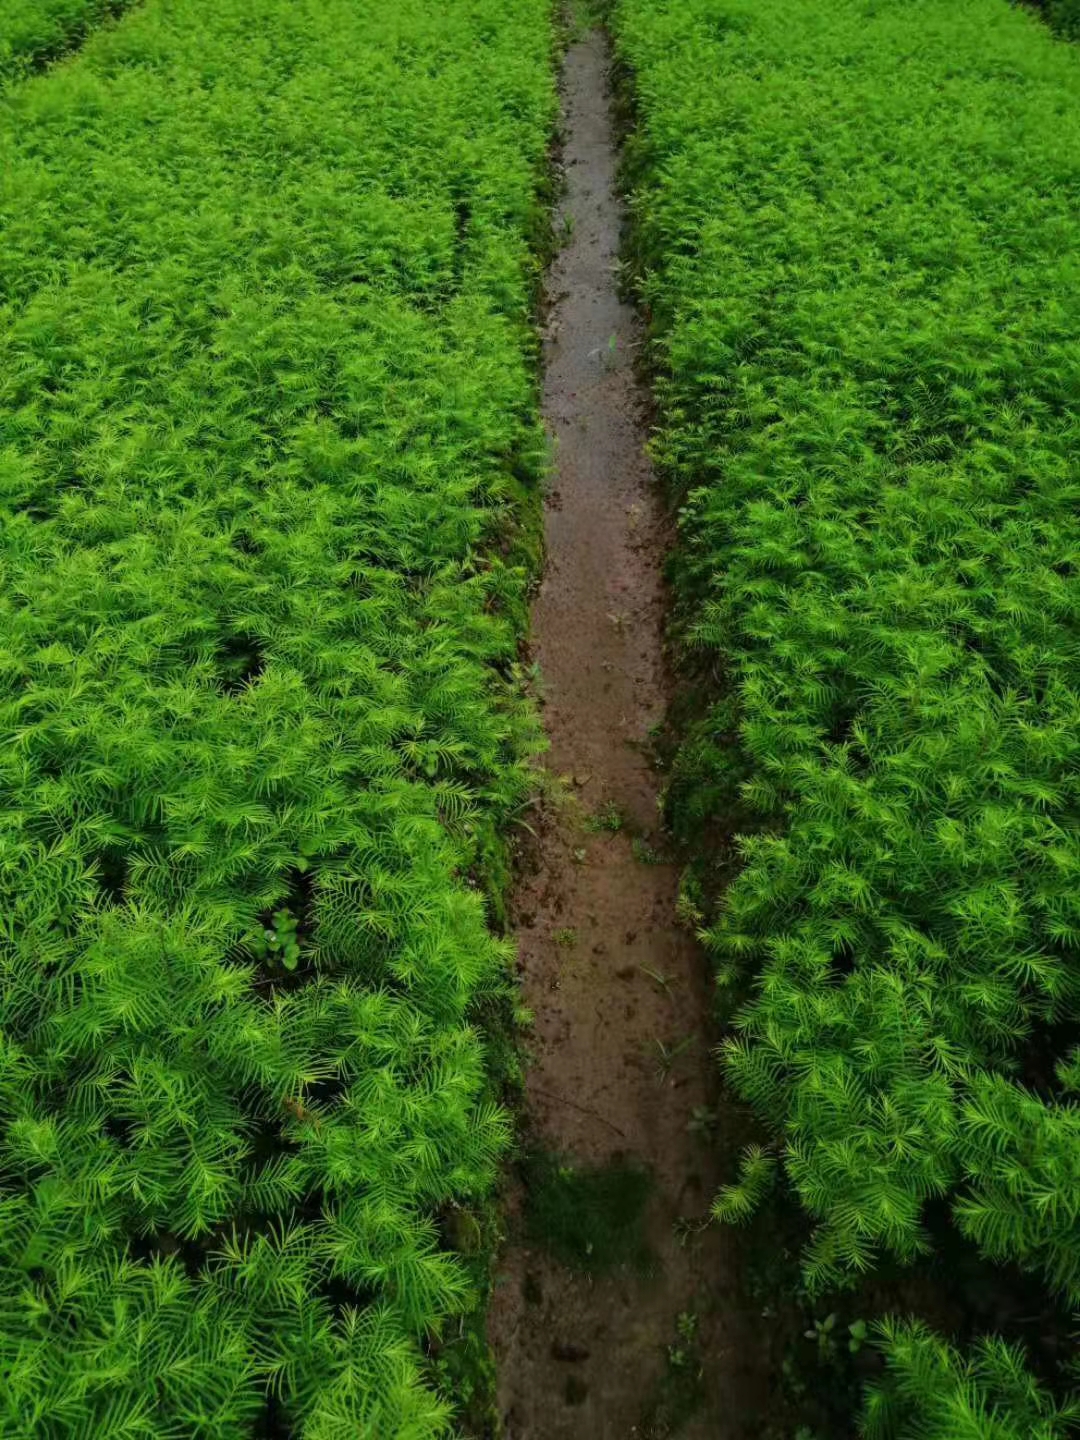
[594, 913]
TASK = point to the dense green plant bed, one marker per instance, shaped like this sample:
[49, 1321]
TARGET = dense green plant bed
[267, 428]
[852, 230]
[35, 31]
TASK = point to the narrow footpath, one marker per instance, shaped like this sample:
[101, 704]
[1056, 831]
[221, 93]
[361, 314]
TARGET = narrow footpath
[621, 1066]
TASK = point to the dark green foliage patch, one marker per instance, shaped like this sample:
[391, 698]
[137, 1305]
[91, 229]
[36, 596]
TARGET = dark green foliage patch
[33, 32]
[589, 1217]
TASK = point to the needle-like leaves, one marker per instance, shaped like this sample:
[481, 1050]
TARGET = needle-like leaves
[852, 228]
[267, 414]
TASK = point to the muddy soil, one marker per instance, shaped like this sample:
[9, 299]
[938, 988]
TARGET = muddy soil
[579, 1356]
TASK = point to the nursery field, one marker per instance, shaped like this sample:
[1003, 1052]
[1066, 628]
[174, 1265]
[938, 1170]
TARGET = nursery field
[267, 420]
[852, 234]
[270, 473]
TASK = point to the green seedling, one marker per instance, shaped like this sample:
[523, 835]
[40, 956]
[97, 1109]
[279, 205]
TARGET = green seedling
[703, 1120]
[823, 1333]
[681, 1353]
[645, 853]
[609, 819]
[665, 982]
[858, 1334]
[669, 1054]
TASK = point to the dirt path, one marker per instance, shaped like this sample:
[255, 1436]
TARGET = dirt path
[578, 1356]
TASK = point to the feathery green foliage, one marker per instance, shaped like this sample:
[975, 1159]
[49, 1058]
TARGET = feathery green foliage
[33, 32]
[930, 1392]
[267, 413]
[851, 232]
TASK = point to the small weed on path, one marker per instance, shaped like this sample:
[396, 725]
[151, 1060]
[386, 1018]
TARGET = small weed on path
[668, 1053]
[681, 1391]
[610, 819]
[646, 854]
